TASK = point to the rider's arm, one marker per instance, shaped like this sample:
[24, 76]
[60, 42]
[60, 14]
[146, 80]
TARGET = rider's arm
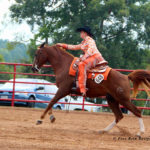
[71, 47]
[74, 47]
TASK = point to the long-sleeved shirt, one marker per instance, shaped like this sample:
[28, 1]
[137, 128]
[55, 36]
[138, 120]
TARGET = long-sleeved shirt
[88, 45]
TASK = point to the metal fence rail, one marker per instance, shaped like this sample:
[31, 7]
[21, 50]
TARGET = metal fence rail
[14, 73]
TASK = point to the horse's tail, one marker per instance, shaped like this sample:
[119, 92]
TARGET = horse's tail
[140, 78]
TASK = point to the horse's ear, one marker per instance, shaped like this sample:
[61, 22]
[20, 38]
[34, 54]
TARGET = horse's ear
[42, 45]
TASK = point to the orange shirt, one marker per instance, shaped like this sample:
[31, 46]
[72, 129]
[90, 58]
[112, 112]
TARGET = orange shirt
[88, 46]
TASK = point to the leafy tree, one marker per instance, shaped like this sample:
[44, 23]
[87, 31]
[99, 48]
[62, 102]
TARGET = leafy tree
[121, 27]
[12, 51]
[35, 12]
[4, 68]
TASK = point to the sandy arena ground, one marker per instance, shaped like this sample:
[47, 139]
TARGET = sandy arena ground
[71, 131]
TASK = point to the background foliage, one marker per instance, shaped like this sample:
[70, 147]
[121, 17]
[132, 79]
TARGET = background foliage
[121, 27]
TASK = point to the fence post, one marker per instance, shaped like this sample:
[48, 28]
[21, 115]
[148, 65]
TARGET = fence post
[83, 103]
[14, 81]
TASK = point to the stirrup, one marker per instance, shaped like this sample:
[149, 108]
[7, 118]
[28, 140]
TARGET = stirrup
[83, 94]
[75, 87]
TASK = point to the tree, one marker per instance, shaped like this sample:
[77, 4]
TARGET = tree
[35, 12]
[13, 51]
[4, 68]
[121, 27]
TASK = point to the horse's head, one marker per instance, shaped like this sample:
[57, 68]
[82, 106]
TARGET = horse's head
[40, 58]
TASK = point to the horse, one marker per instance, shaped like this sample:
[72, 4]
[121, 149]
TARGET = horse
[116, 88]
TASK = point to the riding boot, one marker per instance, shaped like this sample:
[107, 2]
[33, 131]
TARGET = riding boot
[83, 91]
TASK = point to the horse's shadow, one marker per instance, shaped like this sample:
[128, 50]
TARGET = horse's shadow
[122, 132]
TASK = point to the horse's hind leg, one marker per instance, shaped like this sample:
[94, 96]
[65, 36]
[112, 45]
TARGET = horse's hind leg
[127, 104]
[114, 105]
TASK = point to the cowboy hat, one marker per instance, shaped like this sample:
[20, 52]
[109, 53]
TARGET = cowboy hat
[85, 29]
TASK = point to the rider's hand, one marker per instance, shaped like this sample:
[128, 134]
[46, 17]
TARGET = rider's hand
[77, 62]
[84, 57]
[59, 44]
[62, 45]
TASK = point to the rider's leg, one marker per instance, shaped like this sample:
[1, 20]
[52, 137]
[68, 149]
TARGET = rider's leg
[83, 67]
[82, 77]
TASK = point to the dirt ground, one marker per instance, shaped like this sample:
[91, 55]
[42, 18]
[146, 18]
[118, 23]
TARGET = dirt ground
[71, 131]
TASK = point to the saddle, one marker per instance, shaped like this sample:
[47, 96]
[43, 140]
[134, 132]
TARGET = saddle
[98, 73]
[101, 68]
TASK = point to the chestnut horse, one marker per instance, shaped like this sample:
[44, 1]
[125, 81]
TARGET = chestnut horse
[116, 88]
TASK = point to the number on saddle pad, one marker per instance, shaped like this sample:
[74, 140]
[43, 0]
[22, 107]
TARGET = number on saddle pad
[99, 78]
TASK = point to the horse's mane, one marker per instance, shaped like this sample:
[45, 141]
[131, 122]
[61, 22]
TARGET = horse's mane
[62, 50]
[59, 49]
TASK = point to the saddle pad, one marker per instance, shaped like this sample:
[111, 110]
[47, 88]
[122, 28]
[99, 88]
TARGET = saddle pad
[91, 75]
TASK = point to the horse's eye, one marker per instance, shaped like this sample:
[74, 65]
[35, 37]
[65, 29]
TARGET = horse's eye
[35, 55]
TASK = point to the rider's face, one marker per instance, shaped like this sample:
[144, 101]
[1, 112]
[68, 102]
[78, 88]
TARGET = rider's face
[83, 34]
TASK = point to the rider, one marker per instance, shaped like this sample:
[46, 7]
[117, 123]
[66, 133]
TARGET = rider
[91, 56]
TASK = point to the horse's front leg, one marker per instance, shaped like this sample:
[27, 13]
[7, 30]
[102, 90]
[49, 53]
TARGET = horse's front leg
[50, 111]
[62, 92]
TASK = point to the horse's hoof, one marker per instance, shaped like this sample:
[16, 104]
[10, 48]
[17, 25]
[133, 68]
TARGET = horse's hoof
[52, 118]
[139, 134]
[39, 122]
[102, 132]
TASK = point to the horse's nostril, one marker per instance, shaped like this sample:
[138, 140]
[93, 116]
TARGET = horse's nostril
[33, 69]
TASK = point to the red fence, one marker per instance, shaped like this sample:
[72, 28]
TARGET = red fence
[14, 73]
